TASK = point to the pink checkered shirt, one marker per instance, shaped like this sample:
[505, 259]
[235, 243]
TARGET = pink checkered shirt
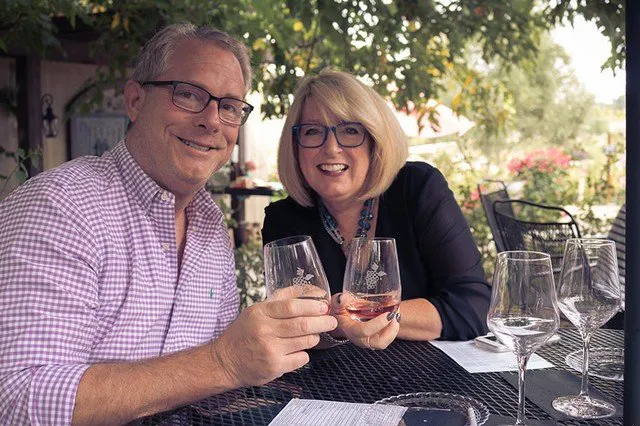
[89, 274]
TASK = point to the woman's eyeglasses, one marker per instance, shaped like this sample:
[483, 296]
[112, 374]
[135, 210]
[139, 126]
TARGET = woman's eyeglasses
[348, 135]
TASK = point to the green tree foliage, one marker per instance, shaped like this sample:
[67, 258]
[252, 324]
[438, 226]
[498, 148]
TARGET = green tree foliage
[402, 47]
[538, 102]
[552, 105]
[608, 15]
[20, 162]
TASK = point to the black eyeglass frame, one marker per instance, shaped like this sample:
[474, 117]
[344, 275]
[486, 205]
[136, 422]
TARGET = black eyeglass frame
[295, 130]
[175, 83]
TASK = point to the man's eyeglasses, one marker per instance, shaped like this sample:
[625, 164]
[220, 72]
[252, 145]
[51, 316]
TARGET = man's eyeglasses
[195, 99]
[348, 135]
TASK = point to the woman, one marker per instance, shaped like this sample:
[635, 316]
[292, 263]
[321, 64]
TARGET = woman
[342, 159]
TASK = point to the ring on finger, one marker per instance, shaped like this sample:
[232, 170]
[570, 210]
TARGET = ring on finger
[369, 343]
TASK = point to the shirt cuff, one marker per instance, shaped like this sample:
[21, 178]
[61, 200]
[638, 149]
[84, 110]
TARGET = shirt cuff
[53, 394]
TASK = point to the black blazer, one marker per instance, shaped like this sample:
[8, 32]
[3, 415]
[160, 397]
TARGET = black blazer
[439, 260]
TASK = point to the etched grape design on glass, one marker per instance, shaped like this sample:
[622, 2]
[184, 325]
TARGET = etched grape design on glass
[523, 312]
[589, 295]
[292, 269]
[372, 278]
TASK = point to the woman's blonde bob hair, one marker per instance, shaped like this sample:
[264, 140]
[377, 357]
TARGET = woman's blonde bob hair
[341, 95]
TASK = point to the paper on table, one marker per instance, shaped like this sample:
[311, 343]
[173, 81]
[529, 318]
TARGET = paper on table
[479, 360]
[299, 412]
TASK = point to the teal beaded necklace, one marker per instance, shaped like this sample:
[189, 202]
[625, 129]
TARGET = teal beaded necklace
[331, 225]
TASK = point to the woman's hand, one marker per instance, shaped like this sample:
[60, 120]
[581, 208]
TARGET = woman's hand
[377, 333]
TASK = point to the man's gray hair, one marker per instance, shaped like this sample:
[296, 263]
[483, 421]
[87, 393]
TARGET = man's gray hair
[154, 58]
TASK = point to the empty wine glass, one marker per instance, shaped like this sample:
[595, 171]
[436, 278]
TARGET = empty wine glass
[523, 312]
[292, 269]
[372, 278]
[589, 295]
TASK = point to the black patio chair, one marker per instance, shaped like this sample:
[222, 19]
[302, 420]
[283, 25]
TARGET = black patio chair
[535, 227]
[617, 233]
[490, 191]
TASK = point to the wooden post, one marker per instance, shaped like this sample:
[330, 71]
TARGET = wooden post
[29, 109]
[632, 278]
[238, 202]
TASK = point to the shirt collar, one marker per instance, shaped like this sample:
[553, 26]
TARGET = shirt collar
[139, 185]
[204, 209]
[142, 188]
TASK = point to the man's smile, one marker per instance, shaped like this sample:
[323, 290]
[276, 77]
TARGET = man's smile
[197, 146]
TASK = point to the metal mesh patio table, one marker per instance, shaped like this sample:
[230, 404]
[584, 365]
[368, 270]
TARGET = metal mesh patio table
[350, 374]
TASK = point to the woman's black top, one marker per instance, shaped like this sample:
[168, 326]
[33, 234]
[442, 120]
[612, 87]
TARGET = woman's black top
[439, 260]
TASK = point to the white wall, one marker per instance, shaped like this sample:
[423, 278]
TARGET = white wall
[60, 79]
[63, 80]
[261, 147]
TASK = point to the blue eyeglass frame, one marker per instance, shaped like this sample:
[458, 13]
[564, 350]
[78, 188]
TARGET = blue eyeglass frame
[296, 128]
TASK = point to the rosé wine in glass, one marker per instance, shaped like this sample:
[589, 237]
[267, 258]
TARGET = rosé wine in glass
[372, 278]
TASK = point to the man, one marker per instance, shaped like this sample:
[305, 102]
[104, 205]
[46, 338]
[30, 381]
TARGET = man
[117, 280]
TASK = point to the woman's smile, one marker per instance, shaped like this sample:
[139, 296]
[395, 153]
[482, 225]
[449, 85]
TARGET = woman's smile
[332, 169]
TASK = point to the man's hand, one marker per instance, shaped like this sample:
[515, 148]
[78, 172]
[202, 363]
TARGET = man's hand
[269, 339]
[377, 333]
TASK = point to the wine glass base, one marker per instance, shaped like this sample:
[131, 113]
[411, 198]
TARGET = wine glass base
[583, 407]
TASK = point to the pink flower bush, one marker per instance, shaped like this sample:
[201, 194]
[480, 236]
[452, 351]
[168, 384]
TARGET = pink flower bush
[471, 201]
[547, 160]
[546, 175]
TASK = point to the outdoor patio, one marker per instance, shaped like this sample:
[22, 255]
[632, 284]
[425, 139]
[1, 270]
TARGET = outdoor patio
[498, 109]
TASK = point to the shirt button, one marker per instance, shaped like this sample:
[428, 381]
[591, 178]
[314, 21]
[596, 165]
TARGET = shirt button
[166, 246]
[164, 196]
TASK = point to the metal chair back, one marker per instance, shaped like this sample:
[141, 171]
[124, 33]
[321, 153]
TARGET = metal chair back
[487, 199]
[617, 233]
[535, 227]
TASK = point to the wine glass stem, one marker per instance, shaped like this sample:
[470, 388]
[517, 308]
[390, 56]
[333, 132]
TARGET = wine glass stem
[522, 367]
[586, 341]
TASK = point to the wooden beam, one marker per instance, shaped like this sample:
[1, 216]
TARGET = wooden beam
[29, 108]
[74, 51]
[238, 204]
[75, 40]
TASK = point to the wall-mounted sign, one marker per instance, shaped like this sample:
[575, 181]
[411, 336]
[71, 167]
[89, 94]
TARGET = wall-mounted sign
[96, 130]
[93, 134]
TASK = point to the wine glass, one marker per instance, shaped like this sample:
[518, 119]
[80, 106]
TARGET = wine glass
[589, 295]
[372, 278]
[523, 312]
[292, 269]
